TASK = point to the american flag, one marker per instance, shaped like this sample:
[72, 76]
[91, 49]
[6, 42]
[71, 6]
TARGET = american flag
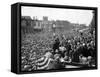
[44, 62]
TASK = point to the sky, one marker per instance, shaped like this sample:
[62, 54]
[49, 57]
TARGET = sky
[71, 15]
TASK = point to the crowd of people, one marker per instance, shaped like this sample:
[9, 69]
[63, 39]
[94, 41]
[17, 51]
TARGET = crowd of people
[78, 49]
[52, 51]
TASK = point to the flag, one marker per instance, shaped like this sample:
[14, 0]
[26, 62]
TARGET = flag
[43, 63]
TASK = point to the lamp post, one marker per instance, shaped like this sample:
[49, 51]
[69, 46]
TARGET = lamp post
[54, 29]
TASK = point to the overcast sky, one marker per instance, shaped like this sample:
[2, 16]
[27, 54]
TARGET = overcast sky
[72, 15]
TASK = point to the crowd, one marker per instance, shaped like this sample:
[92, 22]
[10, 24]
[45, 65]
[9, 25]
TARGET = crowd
[79, 49]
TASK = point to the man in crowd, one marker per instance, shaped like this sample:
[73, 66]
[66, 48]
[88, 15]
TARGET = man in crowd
[56, 45]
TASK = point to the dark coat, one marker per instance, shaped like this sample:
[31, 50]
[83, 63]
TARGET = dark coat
[56, 44]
